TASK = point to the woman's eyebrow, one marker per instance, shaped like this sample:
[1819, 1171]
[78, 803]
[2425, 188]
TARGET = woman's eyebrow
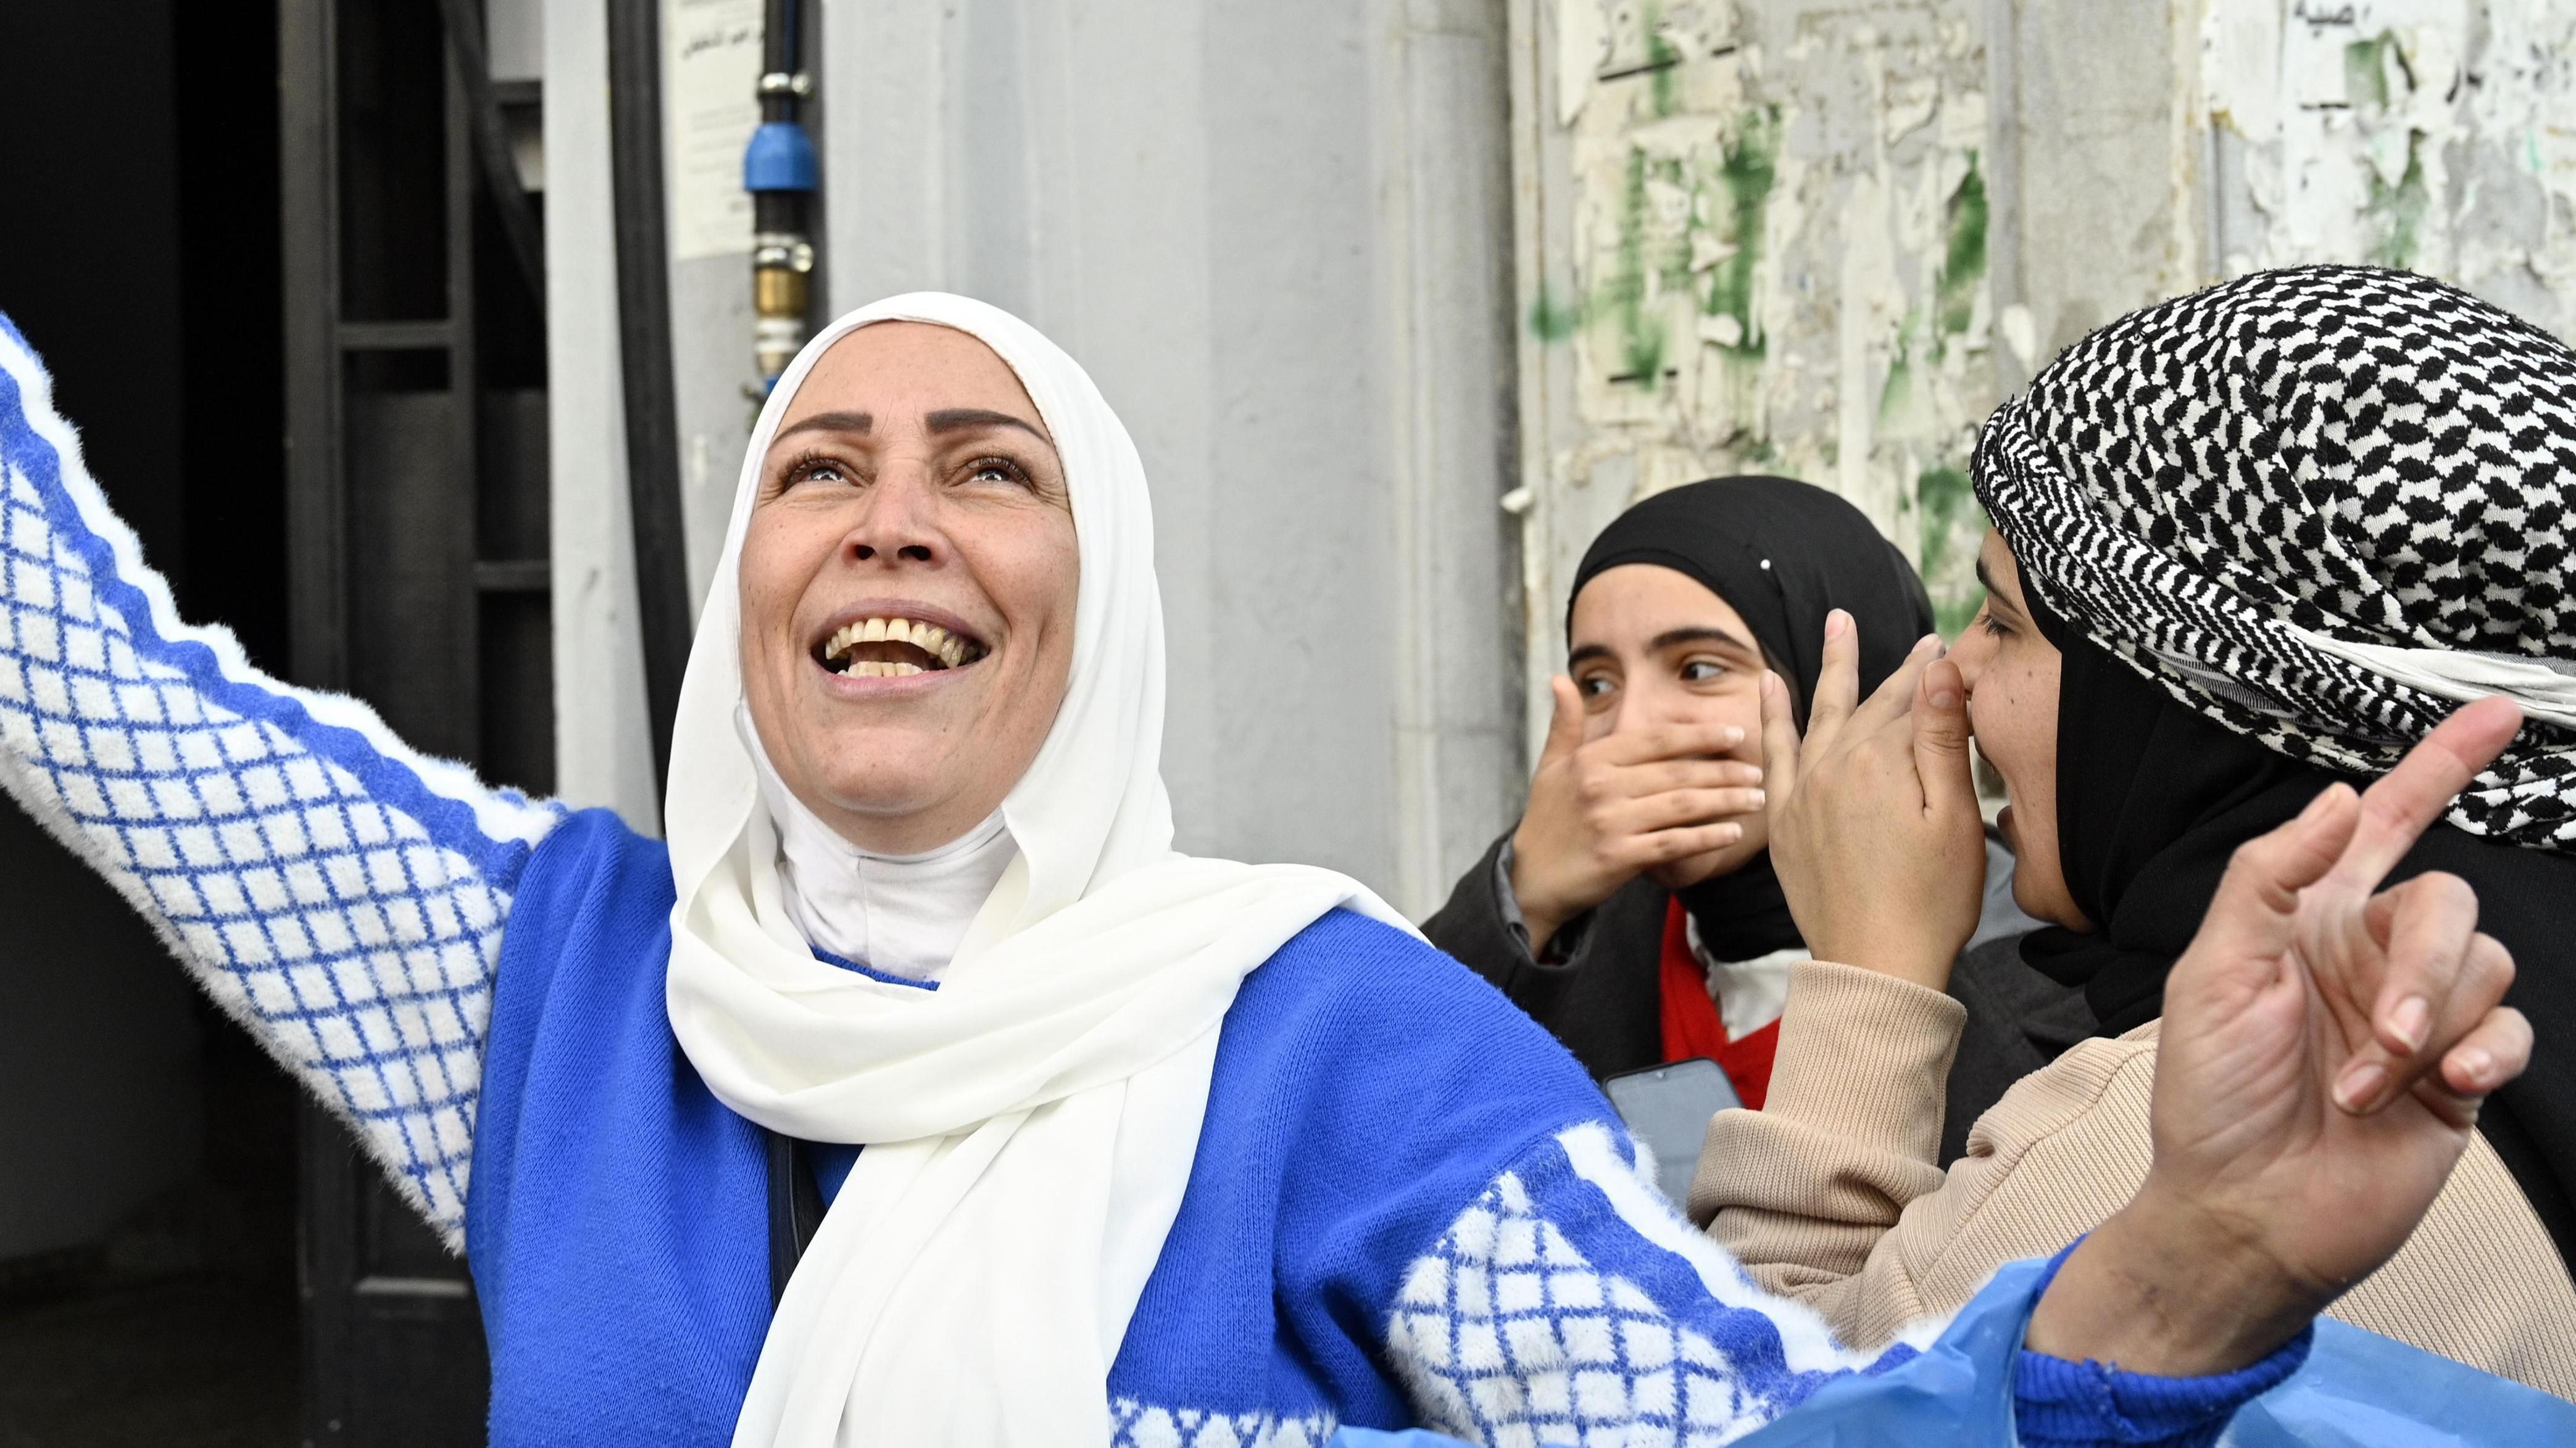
[959, 419]
[1986, 581]
[857, 422]
[1697, 634]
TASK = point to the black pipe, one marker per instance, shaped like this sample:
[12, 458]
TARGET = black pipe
[779, 170]
[492, 143]
[778, 57]
[644, 314]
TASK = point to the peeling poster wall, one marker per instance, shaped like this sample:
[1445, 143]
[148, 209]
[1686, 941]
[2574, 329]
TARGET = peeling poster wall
[1755, 235]
[2436, 135]
[1775, 261]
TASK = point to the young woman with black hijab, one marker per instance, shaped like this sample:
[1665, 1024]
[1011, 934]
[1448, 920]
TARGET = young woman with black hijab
[1633, 910]
[2249, 545]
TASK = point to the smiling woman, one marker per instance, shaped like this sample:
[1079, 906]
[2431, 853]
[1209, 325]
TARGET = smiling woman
[1113, 1145]
[908, 584]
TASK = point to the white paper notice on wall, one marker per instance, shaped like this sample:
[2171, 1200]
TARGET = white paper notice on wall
[710, 75]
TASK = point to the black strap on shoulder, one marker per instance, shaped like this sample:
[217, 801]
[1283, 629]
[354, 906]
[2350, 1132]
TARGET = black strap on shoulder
[795, 1209]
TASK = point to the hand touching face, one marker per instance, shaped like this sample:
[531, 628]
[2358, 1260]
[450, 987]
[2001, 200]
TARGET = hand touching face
[908, 582]
[1874, 824]
[1653, 755]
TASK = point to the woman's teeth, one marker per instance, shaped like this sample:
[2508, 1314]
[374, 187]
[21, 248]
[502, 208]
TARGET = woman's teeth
[943, 650]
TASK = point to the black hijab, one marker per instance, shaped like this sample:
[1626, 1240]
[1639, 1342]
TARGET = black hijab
[1782, 554]
[2153, 798]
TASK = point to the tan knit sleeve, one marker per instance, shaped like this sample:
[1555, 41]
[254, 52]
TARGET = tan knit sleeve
[1830, 1194]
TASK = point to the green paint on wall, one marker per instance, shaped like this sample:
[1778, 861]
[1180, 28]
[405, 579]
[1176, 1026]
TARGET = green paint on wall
[2365, 70]
[1951, 523]
[1640, 331]
[1963, 255]
[2376, 75]
[2397, 212]
[1551, 321]
[1664, 91]
[1747, 168]
[1898, 393]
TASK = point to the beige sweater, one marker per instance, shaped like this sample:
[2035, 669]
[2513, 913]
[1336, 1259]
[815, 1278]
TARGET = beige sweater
[1829, 1193]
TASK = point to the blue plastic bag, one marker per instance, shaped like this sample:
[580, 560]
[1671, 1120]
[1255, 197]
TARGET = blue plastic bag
[2357, 1390]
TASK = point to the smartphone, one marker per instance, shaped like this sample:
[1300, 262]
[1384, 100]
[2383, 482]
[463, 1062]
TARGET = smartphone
[1667, 1109]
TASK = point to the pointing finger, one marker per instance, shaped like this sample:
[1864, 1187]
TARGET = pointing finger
[2408, 799]
[2257, 903]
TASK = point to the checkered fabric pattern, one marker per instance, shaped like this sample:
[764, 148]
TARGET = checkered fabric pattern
[339, 895]
[1508, 1334]
[2370, 456]
[1137, 1425]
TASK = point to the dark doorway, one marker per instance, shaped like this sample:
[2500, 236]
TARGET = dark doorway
[416, 523]
[157, 1303]
[266, 271]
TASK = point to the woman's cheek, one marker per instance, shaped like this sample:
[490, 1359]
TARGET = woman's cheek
[1997, 727]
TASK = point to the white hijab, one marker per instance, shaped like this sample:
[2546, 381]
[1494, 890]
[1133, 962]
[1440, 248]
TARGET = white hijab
[1030, 1125]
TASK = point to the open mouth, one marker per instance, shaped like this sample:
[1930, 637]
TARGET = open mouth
[895, 647]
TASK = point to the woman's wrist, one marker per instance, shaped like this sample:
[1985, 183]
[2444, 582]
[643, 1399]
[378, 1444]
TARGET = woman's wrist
[2168, 1287]
[1541, 916]
[1905, 955]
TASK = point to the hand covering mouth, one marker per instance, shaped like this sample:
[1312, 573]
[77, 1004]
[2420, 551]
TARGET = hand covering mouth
[893, 646]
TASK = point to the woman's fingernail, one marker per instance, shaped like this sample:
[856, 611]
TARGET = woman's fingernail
[2360, 1087]
[1928, 643]
[1760, 799]
[1771, 681]
[1938, 690]
[2411, 1022]
[2478, 1065]
[1836, 622]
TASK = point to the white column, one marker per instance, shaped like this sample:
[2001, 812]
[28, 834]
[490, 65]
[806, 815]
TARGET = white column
[1444, 189]
[603, 747]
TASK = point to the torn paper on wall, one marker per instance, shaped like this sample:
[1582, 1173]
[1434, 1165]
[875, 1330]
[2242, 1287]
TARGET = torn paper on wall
[1779, 261]
[2434, 135]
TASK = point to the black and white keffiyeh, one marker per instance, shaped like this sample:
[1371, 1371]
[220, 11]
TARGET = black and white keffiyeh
[2320, 506]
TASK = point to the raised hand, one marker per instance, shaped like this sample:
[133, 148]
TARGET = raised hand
[2323, 1055]
[1874, 825]
[1602, 813]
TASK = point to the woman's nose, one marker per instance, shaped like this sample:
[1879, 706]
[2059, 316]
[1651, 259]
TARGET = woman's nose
[896, 522]
[1970, 654]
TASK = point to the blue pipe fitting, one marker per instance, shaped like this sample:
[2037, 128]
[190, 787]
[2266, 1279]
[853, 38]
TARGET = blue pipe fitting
[780, 158]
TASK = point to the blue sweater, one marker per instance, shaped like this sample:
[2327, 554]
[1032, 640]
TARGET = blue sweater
[1409, 1205]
